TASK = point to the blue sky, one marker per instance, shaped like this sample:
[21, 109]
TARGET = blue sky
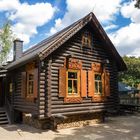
[35, 20]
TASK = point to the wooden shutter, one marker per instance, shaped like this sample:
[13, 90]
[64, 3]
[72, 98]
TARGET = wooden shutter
[90, 83]
[83, 83]
[103, 84]
[35, 90]
[107, 83]
[23, 84]
[62, 82]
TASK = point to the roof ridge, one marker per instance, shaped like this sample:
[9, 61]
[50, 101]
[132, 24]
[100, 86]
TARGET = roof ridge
[46, 40]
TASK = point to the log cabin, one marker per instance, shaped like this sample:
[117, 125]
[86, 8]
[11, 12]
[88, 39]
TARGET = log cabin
[68, 79]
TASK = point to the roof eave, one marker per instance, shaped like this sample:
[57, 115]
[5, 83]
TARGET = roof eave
[17, 64]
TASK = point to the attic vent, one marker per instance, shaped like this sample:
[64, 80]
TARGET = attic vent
[86, 39]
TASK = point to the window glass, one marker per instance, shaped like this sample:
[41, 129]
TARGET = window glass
[10, 87]
[69, 87]
[96, 87]
[72, 83]
[100, 87]
[97, 77]
[72, 75]
[30, 84]
[75, 86]
[98, 84]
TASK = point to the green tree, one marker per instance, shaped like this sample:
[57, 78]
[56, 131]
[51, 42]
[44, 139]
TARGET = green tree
[6, 39]
[132, 75]
[137, 4]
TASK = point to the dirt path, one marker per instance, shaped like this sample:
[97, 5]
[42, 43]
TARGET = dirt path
[116, 128]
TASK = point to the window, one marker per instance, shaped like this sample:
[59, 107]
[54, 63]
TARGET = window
[29, 88]
[30, 83]
[86, 39]
[72, 83]
[10, 87]
[98, 84]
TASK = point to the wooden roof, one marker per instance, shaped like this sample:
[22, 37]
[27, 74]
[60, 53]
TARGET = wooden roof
[47, 46]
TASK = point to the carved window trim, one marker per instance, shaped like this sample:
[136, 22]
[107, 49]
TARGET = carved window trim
[96, 68]
[73, 65]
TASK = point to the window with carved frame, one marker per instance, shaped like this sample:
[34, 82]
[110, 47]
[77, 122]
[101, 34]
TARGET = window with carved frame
[86, 39]
[73, 83]
[98, 82]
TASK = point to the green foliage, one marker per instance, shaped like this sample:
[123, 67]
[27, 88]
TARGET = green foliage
[6, 39]
[137, 5]
[132, 75]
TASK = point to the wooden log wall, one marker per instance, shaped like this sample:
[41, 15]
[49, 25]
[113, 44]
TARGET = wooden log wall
[98, 53]
[42, 90]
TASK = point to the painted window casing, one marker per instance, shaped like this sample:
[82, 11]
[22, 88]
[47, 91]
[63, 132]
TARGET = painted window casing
[73, 83]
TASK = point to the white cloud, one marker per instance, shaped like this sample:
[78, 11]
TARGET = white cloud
[127, 39]
[110, 27]
[27, 17]
[7, 5]
[77, 9]
[129, 11]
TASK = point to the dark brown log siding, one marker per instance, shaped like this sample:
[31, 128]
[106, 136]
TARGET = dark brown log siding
[88, 55]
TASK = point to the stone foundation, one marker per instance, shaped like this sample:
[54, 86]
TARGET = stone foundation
[81, 120]
[40, 124]
[71, 121]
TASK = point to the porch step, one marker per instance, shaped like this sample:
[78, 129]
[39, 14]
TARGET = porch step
[3, 117]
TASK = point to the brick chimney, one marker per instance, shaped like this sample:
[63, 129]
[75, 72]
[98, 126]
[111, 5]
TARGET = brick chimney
[18, 48]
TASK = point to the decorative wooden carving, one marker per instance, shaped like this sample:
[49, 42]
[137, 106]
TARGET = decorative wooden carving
[74, 64]
[96, 67]
[98, 98]
[62, 82]
[30, 66]
[73, 100]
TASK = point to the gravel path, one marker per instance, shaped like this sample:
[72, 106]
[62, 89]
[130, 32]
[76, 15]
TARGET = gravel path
[115, 128]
